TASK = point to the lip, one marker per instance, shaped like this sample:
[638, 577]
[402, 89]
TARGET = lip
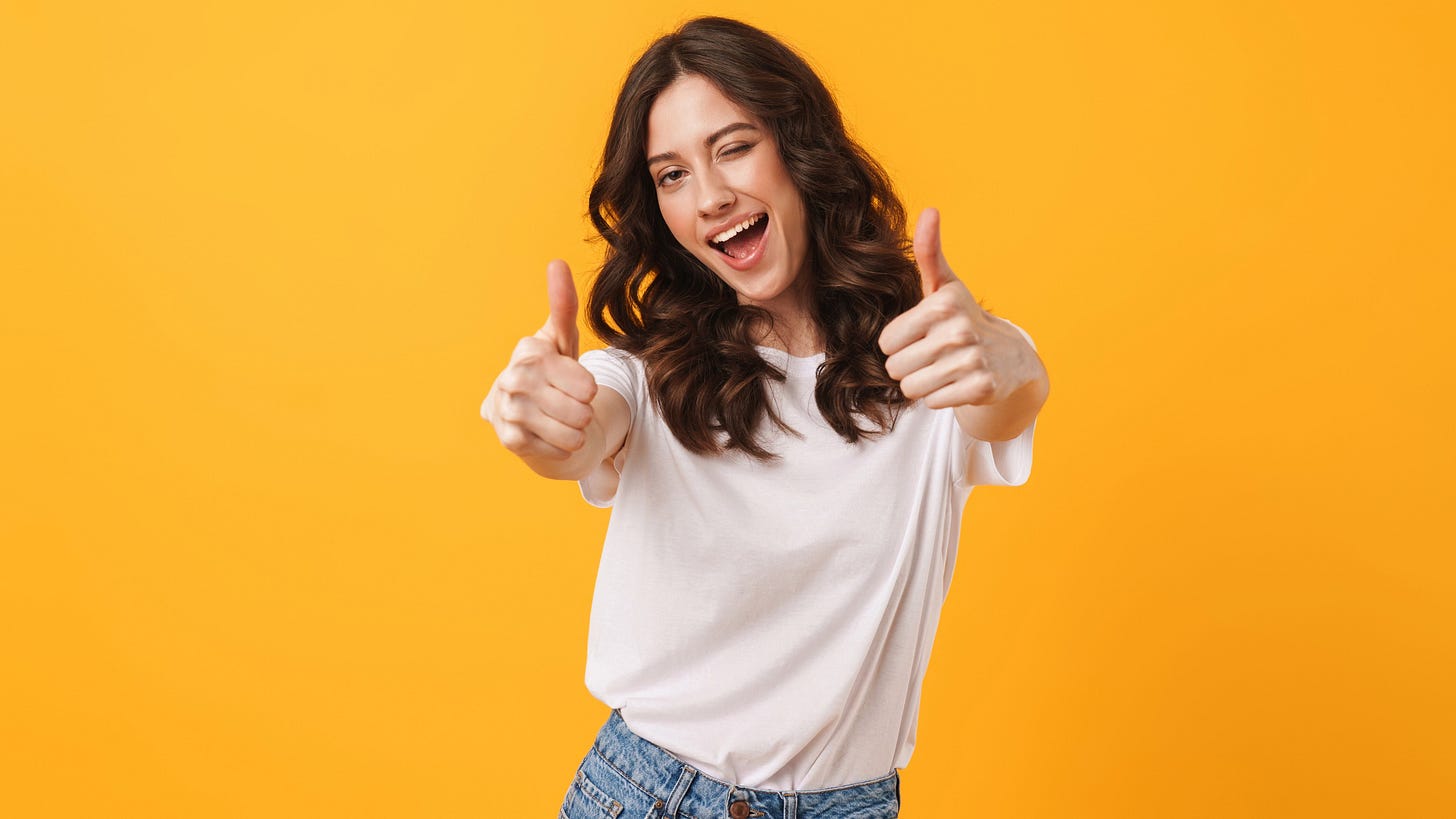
[728, 223]
[751, 259]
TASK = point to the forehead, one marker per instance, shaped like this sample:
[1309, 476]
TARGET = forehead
[686, 112]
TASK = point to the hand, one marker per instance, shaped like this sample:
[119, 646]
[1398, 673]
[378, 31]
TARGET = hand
[947, 349]
[542, 400]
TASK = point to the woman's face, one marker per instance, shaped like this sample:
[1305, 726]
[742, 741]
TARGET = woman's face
[717, 167]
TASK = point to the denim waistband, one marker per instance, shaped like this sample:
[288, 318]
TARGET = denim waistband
[684, 791]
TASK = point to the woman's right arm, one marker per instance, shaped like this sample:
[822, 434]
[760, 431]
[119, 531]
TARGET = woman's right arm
[545, 406]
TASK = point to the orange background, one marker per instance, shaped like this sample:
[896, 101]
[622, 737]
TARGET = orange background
[261, 557]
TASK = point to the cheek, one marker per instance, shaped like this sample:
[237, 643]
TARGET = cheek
[678, 220]
[791, 204]
[795, 220]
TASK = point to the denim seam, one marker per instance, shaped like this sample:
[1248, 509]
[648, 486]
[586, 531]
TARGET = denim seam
[682, 762]
[632, 781]
[680, 788]
[597, 793]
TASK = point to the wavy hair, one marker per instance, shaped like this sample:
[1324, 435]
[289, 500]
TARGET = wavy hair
[656, 300]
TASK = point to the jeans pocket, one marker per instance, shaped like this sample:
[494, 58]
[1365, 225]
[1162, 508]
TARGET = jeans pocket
[586, 800]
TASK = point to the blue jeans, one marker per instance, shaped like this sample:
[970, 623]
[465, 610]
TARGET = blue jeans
[627, 777]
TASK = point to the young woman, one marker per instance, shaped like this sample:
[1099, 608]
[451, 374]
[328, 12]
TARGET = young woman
[796, 410]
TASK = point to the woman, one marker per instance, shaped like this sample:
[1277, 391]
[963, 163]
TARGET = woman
[793, 421]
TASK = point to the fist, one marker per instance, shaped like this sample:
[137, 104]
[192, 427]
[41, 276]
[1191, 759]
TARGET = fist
[947, 349]
[540, 404]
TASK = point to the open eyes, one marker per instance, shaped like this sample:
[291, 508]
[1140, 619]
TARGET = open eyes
[676, 174]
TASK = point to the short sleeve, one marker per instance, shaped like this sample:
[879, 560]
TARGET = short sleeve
[994, 463]
[616, 370]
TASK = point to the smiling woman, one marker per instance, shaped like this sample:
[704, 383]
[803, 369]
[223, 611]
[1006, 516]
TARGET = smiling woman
[785, 508]
[716, 123]
[728, 197]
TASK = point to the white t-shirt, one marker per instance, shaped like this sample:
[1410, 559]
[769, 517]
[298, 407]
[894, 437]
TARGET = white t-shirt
[770, 624]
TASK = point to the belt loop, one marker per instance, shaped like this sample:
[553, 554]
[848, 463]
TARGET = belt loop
[679, 790]
[791, 805]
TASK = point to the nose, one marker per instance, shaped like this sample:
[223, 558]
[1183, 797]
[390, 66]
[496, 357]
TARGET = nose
[714, 197]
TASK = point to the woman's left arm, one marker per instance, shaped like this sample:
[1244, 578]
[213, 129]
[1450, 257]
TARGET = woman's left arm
[948, 350]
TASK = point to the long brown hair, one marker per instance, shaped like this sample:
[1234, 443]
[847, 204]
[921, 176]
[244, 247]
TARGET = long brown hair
[668, 308]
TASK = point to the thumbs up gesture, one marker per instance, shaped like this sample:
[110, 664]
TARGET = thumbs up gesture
[540, 404]
[947, 349]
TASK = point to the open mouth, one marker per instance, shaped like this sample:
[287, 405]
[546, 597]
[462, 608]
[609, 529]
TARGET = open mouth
[741, 240]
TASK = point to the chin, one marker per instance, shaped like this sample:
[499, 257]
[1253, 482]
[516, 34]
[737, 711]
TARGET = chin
[759, 286]
[760, 295]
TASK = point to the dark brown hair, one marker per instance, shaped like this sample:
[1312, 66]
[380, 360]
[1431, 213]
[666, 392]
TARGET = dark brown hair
[668, 308]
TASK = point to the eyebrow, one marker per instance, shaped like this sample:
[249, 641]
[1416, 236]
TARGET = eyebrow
[707, 143]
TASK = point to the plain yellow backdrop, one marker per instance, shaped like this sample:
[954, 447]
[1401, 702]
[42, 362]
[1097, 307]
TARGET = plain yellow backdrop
[261, 556]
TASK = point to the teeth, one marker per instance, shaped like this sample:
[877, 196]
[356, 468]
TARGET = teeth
[736, 229]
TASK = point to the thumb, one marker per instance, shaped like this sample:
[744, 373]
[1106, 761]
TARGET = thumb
[934, 270]
[561, 294]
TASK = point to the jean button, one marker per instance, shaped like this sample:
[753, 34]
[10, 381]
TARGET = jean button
[738, 810]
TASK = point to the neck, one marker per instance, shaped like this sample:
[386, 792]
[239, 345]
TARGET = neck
[791, 329]
[797, 338]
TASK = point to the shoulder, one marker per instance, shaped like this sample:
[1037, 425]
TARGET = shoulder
[616, 368]
[609, 352]
[610, 357]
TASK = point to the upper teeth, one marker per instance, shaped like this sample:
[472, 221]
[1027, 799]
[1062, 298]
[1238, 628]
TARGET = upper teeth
[736, 229]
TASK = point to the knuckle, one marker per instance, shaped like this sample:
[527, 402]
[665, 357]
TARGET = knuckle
[513, 439]
[961, 334]
[973, 359]
[585, 388]
[588, 383]
[983, 390]
[514, 382]
[529, 352]
[943, 309]
[531, 344]
[584, 418]
[524, 404]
